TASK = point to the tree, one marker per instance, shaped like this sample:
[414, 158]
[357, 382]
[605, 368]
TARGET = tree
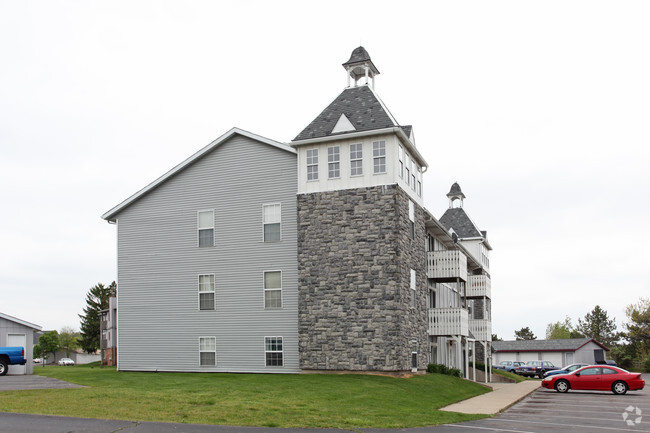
[68, 340]
[599, 326]
[48, 343]
[638, 327]
[525, 334]
[560, 330]
[96, 300]
[495, 337]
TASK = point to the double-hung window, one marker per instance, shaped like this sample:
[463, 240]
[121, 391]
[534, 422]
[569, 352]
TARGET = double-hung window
[273, 351]
[206, 228]
[408, 169]
[356, 159]
[413, 168]
[333, 162]
[312, 164]
[272, 221]
[208, 351]
[272, 290]
[206, 292]
[379, 156]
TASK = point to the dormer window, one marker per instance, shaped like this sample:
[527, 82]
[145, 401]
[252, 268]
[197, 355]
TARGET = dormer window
[379, 156]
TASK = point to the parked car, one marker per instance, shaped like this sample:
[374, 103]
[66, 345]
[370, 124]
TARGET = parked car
[535, 368]
[66, 361]
[596, 378]
[11, 356]
[568, 369]
[510, 366]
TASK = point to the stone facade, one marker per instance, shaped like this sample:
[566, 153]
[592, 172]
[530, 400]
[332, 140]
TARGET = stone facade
[355, 255]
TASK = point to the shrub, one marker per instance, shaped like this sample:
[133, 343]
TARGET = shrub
[646, 365]
[443, 369]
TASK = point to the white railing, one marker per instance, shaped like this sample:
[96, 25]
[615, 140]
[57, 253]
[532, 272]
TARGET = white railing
[448, 321]
[447, 265]
[481, 329]
[479, 286]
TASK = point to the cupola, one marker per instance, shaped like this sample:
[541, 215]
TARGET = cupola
[455, 193]
[360, 66]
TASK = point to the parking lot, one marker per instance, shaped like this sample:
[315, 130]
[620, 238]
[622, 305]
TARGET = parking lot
[547, 411]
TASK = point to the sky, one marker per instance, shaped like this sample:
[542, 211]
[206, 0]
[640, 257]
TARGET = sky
[539, 110]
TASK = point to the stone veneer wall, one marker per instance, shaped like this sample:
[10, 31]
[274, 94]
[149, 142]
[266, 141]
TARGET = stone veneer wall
[355, 254]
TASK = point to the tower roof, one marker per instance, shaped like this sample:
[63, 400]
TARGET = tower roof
[359, 105]
[455, 191]
[457, 219]
[358, 59]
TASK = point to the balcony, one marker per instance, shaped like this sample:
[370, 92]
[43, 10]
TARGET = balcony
[448, 321]
[447, 266]
[479, 286]
[481, 329]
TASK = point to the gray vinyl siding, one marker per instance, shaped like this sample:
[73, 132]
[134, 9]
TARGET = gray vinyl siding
[159, 321]
[8, 327]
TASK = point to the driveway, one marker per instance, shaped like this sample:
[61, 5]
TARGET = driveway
[32, 381]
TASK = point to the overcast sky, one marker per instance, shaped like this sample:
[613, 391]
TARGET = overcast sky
[540, 110]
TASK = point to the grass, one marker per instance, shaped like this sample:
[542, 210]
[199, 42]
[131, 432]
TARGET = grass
[337, 401]
[517, 378]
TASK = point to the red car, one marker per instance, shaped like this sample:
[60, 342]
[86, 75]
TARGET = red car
[596, 378]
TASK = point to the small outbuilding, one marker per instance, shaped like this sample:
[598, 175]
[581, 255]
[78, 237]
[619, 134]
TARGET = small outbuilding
[560, 352]
[17, 332]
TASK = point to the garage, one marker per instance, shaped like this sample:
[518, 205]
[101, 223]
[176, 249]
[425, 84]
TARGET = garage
[560, 352]
[18, 332]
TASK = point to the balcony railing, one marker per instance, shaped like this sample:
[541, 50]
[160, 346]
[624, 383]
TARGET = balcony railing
[479, 286]
[447, 266]
[481, 329]
[448, 321]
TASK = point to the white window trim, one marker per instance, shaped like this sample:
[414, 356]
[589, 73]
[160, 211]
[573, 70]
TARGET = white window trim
[214, 290]
[208, 351]
[329, 163]
[265, 290]
[199, 228]
[356, 159]
[274, 351]
[374, 158]
[400, 158]
[413, 287]
[278, 222]
[312, 164]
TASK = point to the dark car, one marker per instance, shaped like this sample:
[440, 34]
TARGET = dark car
[535, 368]
[596, 378]
[510, 366]
[568, 369]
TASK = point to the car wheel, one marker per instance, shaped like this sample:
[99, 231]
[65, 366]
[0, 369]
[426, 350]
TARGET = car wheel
[562, 386]
[3, 368]
[619, 387]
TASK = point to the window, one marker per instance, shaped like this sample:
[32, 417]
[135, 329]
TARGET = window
[206, 228]
[208, 350]
[272, 289]
[419, 189]
[273, 351]
[412, 219]
[379, 156]
[272, 216]
[206, 292]
[400, 156]
[333, 162]
[412, 165]
[356, 159]
[413, 290]
[312, 164]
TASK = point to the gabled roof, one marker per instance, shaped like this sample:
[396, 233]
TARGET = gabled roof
[19, 321]
[110, 215]
[563, 345]
[457, 219]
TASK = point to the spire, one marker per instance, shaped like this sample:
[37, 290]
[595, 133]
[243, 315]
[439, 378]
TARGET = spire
[455, 193]
[360, 66]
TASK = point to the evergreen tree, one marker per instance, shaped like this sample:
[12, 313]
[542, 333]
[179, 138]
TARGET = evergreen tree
[525, 334]
[599, 326]
[96, 300]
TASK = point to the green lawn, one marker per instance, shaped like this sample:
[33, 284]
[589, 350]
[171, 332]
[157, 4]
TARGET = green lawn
[273, 400]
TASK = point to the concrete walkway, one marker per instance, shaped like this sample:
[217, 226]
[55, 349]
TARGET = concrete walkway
[502, 397]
